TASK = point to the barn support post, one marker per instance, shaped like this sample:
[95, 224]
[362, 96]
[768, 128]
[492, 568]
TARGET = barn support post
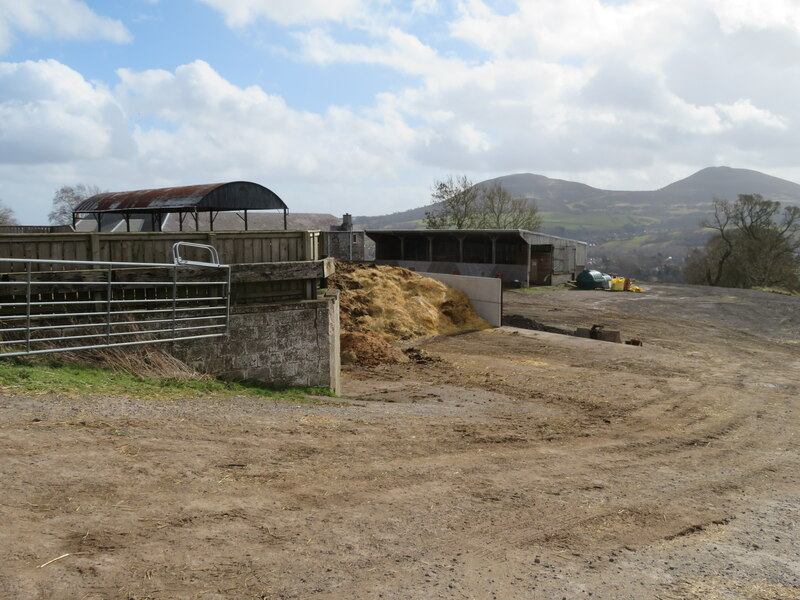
[528, 267]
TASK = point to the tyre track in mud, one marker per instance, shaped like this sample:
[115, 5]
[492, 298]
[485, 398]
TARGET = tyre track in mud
[515, 466]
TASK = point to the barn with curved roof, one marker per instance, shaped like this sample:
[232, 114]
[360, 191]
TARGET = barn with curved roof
[187, 202]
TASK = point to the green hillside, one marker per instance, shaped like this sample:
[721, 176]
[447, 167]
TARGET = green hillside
[630, 227]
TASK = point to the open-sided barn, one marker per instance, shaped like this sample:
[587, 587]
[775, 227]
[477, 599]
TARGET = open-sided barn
[527, 257]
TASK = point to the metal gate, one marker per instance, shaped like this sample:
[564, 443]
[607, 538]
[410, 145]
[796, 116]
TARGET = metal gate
[119, 304]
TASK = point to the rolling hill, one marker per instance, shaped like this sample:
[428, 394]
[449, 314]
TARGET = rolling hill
[620, 224]
[690, 196]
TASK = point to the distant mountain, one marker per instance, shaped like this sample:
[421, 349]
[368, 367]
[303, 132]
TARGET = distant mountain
[725, 182]
[679, 204]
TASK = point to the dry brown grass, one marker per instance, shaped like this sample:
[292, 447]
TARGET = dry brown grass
[139, 361]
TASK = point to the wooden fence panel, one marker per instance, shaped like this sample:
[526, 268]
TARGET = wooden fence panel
[234, 247]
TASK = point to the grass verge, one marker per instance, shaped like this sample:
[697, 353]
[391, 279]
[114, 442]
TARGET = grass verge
[79, 380]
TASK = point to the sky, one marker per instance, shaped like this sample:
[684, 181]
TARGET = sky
[359, 105]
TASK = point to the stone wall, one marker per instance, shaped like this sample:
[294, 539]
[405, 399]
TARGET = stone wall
[292, 343]
[344, 245]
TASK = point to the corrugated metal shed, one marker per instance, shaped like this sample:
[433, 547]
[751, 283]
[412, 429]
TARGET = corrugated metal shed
[190, 199]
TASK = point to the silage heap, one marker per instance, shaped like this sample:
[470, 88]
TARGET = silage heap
[380, 305]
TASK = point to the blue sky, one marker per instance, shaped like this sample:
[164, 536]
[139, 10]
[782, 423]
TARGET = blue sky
[357, 105]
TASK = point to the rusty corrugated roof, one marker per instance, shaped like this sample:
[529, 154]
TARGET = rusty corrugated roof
[235, 195]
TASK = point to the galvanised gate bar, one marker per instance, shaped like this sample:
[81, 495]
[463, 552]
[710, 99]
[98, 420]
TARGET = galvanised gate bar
[118, 304]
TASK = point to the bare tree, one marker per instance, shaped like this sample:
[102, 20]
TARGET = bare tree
[717, 254]
[500, 210]
[459, 204]
[755, 244]
[454, 199]
[65, 200]
[6, 215]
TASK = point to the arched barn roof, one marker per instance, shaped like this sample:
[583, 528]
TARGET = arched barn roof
[234, 195]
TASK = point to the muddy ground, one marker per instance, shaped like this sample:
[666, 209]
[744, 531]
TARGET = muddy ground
[506, 464]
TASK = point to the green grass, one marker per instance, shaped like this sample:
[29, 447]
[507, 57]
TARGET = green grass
[634, 242]
[599, 222]
[78, 380]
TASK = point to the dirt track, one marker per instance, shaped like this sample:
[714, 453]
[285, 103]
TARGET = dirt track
[501, 464]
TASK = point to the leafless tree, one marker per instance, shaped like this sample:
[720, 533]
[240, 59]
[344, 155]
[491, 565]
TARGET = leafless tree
[66, 198]
[459, 204]
[755, 244]
[455, 201]
[6, 215]
[500, 210]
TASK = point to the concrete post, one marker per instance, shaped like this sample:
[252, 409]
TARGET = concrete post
[310, 245]
[528, 267]
[334, 341]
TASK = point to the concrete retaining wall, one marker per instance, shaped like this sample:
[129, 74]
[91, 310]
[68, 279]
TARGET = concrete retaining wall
[485, 294]
[507, 273]
[293, 343]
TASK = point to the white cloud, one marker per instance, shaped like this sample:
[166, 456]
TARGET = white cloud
[585, 86]
[189, 125]
[61, 19]
[225, 129]
[743, 111]
[633, 93]
[398, 50]
[50, 113]
[735, 15]
[239, 13]
[557, 29]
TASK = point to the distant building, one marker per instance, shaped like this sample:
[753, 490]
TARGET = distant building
[515, 255]
[342, 242]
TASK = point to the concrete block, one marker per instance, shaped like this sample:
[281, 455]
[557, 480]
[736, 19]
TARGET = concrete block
[290, 343]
